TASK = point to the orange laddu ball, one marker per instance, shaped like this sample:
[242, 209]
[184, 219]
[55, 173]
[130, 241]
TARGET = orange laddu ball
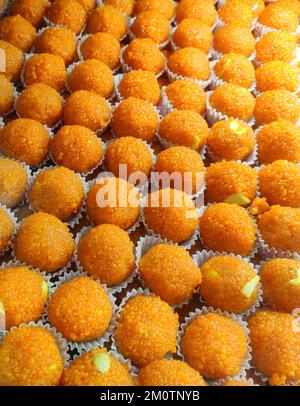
[57, 191]
[107, 19]
[44, 242]
[169, 372]
[276, 75]
[102, 46]
[6, 95]
[201, 9]
[169, 272]
[279, 182]
[91, 75]
[236, 69]
[88, 5]
[106, 253]
[18, 31]
[135, 117]
[13, 60]
[7, 229]
[275, 345]
[23, 295]
[166, 7]
[40, 102]
[184, 161]
[30, 356]
[67, 13]
[32, 10]
[129, 151]
[96, 368]
[214, 345]
[172, 214]
[13, 182]
[151, 24]
[146, 330]
[141, 84]
[236, 12]
[80, 309]
[113, 201]
[186, 95]
[45, 68]
[228, 228]
[229, 284]
[126, 6]
[76, 148]
[87, 109]
[276, 45]
[280, 228]
[227, 178]
[233, 101]
[26, 140]
[280, 279]
[143, 53]
[190, 62]
[293, 4]
[279, 140]
[279, 17]
[57, 41]
[231, 140]
[232, 38]
[192, 32]
[257, 6]
[184, 127]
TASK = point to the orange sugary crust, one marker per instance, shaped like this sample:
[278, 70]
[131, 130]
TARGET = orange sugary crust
[190, 62]
[6, 95]
[14, 60]
[276, 45]
[257, 6]
[193, 33]
[293, 4]
[88, 5]
[276, 75]
[107, 19]
[13, 182]
[141, 84]
[186, 95]
[6, 229]
[18, 31]
[126, 6]
[258, 206]
[200, 9]
[151, 24]
[279, 17]
[31, 11]
[235, 10]
[166, 7]
[236, 69]
[232, 38]
[67, 13]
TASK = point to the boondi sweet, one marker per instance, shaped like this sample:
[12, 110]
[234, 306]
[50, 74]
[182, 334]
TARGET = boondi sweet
[192, 32]
[18, 31]
[68, 14]
[235, 68]
[200, 9]
[151, 24]
[186, 95]
[276, 75]
[232, 38]
[276, 45]
[126, 6]
[236, 12]
[32, 11]
[14, 60]
[13, 182]
[7, 229]
[140, 84]
[190, 63]
[107, 19]
[279, 17]
[6, 95]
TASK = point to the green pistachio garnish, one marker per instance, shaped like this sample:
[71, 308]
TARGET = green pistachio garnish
[237, 198]
[250, 286]
[295, 281]
[102, 362]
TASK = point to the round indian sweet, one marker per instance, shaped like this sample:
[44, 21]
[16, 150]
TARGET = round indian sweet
[293, 4]
[44, 242]
[233, 382]
[102, 46]
[30, 356]
[229, 284]
[106, 253]
[280, 228]
[6, 95]
[13, 182]
[77, 148]
[18, 31]
[7, 229]
[235, 68]
[276, 75]
[26, 140]
[70, 318]
[169, 272]
[88, 5]
[86, 108]
[45, 68]
[23, 295]
[233, 101]
[228, 228]
[146, 330]
[57, 191]
[280, 278]
[32, 11]
[214, 345]
[275, 345]
[257, 6]
[141, 84]
[130, 152]
[169, 372]
[227, 178]
[40, 102]
[278, 140]
[184, 162]
[126, 6]
[135, 117]
[274, 105]
[186, 95]
[113, 201]
[68, 14]
[91, 75]
[231, 140]
[58, 41]
[236, 12]
[13, 61]
[279, 17]
[232, 38]
[96, 368]
[190, 62]
[166, 8]
[276, 45]
[172, 214]
[184, 127]
[107, 19]
[192, 32]
[143, 53]
[201, 9]
[151, 24]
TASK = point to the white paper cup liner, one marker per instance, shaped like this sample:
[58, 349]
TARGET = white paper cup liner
[214, 54]
[161, 45]
[260, 30]
[174, 76]
[14, 219]
[266, 251]
[251, 159]
[221, 382]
